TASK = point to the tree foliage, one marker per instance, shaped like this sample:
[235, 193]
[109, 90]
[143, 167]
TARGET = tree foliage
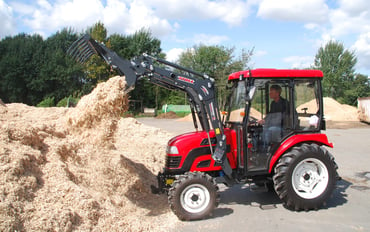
[96, 68]
[98, 32]
[33, 69]
[21, 59]
[130, 46]
[217, 62]
[337, 65]
[340, 80]
[360, 87]
[60, 75]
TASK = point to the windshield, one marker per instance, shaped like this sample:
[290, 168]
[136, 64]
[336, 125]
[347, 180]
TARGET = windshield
[237, 103]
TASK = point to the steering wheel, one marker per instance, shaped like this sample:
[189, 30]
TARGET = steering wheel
[253, 120]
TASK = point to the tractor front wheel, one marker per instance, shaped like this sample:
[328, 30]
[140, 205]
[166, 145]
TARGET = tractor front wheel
[193, 196]
[305, 177]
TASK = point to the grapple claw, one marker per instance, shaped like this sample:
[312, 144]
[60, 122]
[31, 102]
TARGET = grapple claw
[81, 49]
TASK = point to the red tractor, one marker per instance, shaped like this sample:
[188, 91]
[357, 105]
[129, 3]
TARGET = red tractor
[269, 136]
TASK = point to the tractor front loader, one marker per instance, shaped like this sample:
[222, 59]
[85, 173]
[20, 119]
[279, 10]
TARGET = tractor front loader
[269, 137]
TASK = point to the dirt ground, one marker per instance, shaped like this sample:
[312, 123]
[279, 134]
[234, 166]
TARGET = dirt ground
[346, 124]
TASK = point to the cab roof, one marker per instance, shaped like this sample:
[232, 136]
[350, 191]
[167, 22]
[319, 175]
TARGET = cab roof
[276, 73]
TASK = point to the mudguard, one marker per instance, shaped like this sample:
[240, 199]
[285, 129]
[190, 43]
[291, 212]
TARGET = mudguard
[320, 139]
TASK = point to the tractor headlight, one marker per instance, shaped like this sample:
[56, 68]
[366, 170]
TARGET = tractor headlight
[172, 150]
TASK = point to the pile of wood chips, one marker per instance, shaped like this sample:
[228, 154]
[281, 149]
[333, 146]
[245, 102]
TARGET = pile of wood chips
[82, 168]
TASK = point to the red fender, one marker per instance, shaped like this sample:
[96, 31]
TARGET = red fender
[291, 141]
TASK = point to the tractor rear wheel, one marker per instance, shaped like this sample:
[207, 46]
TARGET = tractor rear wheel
[193, 196]
[305, 177]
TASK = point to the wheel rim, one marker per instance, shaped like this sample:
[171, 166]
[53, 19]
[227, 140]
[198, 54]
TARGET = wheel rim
[195, 198]
[310, 178]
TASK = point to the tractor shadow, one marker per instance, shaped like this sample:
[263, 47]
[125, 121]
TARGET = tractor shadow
[242, 195]
[339, 196]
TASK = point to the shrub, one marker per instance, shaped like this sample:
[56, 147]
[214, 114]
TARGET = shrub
[68, 102]
[47, 102]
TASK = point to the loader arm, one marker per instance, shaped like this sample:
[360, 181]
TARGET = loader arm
[199, 87]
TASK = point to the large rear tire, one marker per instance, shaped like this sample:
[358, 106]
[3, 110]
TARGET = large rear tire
[305, 177]
[193, 196]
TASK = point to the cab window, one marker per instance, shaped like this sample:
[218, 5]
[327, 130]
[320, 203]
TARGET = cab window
[238, 101]
[307, 104]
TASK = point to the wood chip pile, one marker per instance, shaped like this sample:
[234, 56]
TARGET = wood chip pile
[83, 168]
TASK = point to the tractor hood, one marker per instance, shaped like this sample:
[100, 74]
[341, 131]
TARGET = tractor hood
[186, 151]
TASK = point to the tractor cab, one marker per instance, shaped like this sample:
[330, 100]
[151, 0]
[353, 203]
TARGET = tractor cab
[269, 106]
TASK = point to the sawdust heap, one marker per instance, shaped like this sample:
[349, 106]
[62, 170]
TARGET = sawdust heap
[82, 169]
[168, 115]
[333, 110]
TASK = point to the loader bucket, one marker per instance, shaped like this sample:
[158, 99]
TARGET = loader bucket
[83, 48]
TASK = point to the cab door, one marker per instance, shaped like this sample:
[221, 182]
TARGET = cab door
[271, 121]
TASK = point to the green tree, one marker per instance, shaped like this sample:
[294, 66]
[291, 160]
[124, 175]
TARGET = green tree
[360, 87]
[21, 58]
[95, 67]
[60, 75]
[33, 69]
[130, 46]
[98, 32]
[140, 42]
[337, 65]
[217, 62]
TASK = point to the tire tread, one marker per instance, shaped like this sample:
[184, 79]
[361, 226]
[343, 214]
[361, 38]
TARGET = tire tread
[182, 180]
[282, 180]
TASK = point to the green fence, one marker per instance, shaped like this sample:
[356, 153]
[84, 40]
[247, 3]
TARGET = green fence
[176, 108]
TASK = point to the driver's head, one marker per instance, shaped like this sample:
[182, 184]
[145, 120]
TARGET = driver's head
[275, 91]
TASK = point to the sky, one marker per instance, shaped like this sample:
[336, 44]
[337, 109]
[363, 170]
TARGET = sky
[283, 33]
